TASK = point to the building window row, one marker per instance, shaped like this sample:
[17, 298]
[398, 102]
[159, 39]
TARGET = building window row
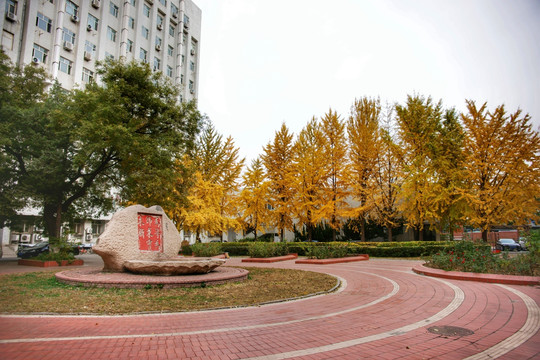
[65, 65]
[43, 22]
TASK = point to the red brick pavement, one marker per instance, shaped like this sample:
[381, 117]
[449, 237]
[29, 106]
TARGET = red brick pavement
[383, 311]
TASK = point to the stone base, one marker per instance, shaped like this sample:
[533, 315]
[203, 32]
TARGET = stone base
[183, 266]
[94, 277]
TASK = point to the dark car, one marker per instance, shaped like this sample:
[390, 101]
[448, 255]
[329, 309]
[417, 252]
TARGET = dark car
[33, 251]
[26, 252]
[507, 244]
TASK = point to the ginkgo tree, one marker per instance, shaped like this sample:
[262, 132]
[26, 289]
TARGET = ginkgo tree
[215, 162]
[363, 131]
[254, 198]
[310, 176]
[502, 164]
[336, 189]
[277, 159]
[418, 125]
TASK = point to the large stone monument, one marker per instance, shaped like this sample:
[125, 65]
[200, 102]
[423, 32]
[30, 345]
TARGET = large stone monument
[145, 241]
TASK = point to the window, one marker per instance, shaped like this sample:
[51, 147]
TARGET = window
[193, 46]
[159, 21]
[11, 7]
[171, 30]
[109, 55]
[191, 85]
[143, 55]
[93, 22]
[129, 46]
[183, 57]
[157, 64]
[40, 53]
[158, 41]
[184, 38]
[68, 36]
[8, 39]
[169, 71]
[111, 34]
[174, 10]
[113, 9]
[170, 50]
[90, 48]
[131, 22]
[181, 78]
[132, 2]
[186, 20]
[71, 8]
[43, 22]
[163, 2]
[146, 10]
[65, 65]
[145, 32]
[87, 75]
[192, 66]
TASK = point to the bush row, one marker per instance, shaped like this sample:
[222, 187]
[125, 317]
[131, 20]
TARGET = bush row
[383, 249]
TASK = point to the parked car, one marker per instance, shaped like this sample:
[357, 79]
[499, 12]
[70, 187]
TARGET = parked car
[25, 252]
[507, 244]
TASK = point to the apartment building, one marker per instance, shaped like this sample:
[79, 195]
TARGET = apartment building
[67, 37]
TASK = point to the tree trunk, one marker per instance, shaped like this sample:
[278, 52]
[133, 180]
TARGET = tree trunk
[485, 235]
[389, 231]
[420, 234]
[363, 229]
[52, 217]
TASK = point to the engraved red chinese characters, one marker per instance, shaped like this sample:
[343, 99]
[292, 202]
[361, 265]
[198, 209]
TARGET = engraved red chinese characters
[150, 232]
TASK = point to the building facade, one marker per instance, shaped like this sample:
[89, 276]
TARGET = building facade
[67, 37]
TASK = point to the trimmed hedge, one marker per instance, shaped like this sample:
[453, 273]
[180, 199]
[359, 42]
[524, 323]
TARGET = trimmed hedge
[373, 249]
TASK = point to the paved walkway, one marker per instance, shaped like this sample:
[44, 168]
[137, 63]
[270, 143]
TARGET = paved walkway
[382, 311]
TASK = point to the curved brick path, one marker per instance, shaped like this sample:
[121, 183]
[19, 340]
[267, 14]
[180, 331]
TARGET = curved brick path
[383, 311]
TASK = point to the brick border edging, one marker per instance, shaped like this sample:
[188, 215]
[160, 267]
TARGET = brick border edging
[94, 277]
[468, 276]
[271, 259]
[362, 257]
[41, 263]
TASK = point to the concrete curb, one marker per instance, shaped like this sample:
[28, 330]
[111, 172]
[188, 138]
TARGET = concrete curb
[468, 276]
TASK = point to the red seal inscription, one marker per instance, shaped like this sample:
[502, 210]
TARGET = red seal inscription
[150, 232]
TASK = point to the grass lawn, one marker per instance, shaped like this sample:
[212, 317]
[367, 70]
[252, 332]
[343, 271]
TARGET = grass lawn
[40, 292]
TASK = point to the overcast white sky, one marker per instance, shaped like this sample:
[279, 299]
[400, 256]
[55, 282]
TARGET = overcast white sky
[267, 62]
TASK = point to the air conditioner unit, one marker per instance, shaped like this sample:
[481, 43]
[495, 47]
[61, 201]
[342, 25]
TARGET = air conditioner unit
[95, 4]
[87, 56]
[89, 28]
[88, 237]
[192, 52]
[75, 18]
[175, 15]
[11, 16]
[158, 47]
[68, 45]
[25, 238]
[192, 91]
[160, 27]
[35, 60]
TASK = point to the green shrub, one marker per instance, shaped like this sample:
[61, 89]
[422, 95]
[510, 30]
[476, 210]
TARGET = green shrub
[329, 251]
[469, 257]
[58, 257]
[207, 250]
[266, 250]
